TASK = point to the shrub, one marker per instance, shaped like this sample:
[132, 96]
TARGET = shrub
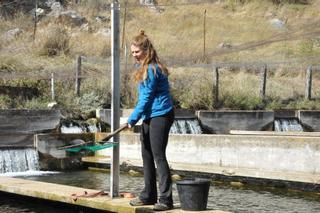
[12, 64]
[306, 47]
[35, 103]
[5, 102]
[56, 43]
[238, 100]
[192, 89]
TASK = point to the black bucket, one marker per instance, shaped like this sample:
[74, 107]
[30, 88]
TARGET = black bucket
[193, 193]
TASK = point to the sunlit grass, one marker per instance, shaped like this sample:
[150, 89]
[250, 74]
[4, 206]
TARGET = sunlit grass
[178, 35]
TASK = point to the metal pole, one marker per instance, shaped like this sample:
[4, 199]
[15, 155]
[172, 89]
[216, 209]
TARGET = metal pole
[308, 83]
[52, 87]
[115, 101]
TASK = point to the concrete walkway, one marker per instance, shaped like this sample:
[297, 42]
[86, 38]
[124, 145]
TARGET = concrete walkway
[62, 193]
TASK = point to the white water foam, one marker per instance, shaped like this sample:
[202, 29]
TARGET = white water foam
[186, 126]
[28, 173]
[18, 160]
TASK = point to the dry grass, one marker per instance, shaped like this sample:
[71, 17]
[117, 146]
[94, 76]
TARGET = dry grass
[90, 44]
[245, 24]
[192, 88]
[177, 33]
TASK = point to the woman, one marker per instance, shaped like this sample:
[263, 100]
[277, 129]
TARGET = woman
[155, 108]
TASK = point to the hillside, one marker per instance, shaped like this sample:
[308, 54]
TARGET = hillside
[192, 37]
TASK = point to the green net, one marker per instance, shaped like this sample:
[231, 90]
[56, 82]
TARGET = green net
[91, 148]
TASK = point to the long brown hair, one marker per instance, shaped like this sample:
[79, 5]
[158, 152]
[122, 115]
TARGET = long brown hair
[143, 42]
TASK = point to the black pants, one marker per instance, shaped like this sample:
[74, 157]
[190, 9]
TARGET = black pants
[154, 140]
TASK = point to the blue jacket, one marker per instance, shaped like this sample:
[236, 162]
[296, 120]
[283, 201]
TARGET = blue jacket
[154, 97]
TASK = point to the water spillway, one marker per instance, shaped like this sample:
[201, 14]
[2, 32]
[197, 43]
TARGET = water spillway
[18, 160]
[186, 126]
[287, 125]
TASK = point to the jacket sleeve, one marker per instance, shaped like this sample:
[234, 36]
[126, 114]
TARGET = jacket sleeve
[147, 91]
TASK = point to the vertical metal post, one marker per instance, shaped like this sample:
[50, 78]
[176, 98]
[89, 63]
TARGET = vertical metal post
[263, 81]
[216, 86]
[78, 74]
[308, 88]
[52, 87]
[115, 101]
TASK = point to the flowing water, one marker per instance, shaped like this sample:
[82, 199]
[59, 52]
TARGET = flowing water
[91, 125]
[186, 126]
[287, 125]
[222, 197]
[18, 160]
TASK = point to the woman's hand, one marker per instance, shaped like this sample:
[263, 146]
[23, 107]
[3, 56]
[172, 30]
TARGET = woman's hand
[128, 125]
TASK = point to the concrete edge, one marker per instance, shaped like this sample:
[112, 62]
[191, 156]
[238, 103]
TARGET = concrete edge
[62, 193]
[223, 171]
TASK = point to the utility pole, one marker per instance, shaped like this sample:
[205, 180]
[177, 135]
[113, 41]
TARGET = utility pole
[115, 101]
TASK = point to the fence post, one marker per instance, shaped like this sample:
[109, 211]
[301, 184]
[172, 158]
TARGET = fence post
[52, 87]
[263, 81]
[78, 74]
[204, 34]
[308, 83]
[35, 19]
[216, 86]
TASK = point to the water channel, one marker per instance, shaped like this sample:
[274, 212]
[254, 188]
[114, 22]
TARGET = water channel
[221, 196]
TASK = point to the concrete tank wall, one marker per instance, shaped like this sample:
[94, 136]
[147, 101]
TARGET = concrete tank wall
[28, 120]
[53, 158]
[16, 139]
[276, 157]
[17, 126]
[105, 114]
[221, 122]
[310, 119]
